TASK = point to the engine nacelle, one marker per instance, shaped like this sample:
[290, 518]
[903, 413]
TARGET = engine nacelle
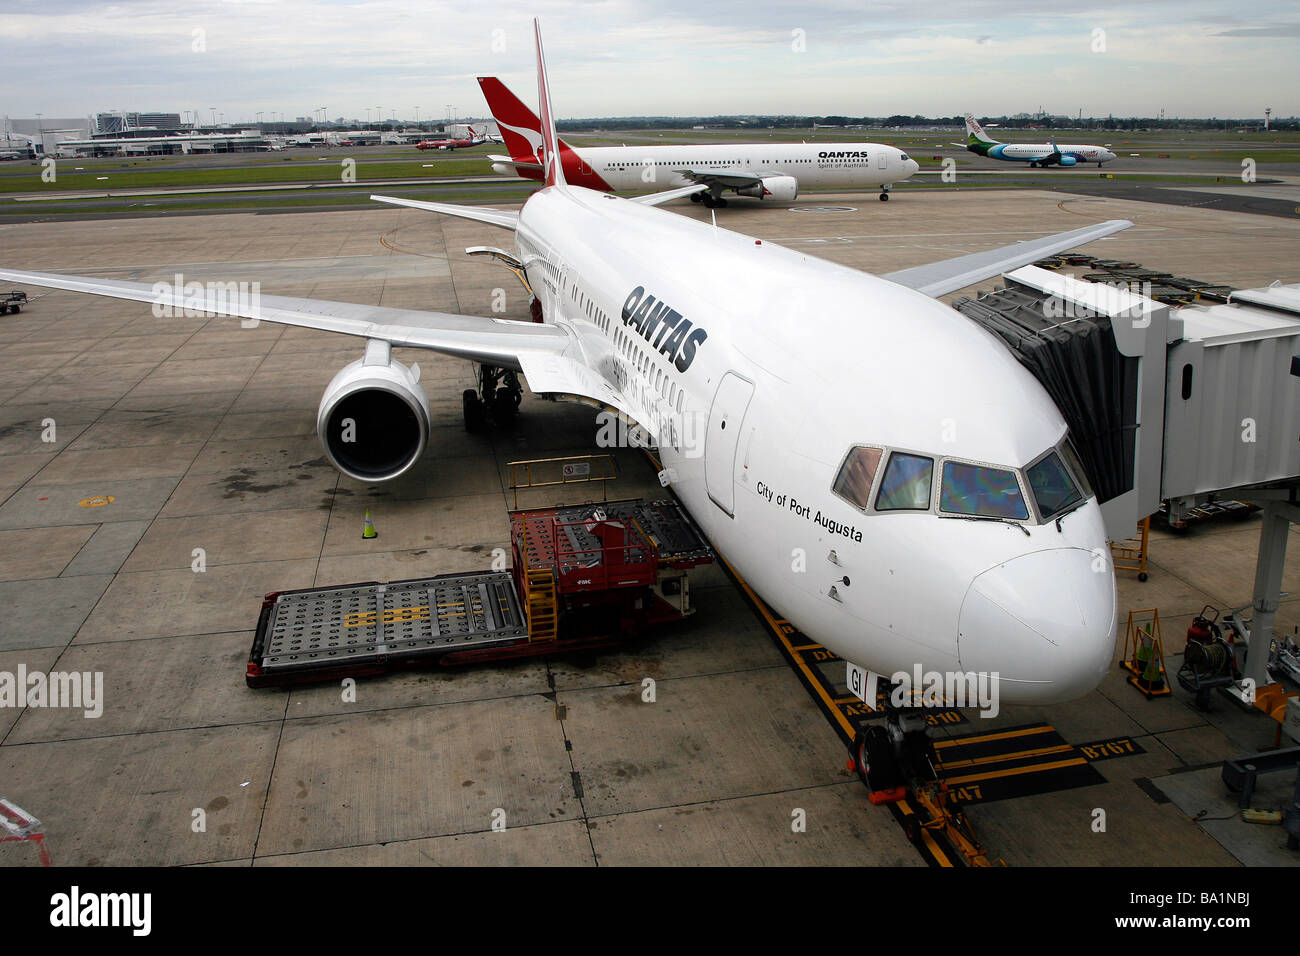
[1068, 161]
[373, 419]
[780, 188]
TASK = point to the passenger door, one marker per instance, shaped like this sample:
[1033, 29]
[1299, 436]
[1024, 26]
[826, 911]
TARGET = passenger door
[726, 418]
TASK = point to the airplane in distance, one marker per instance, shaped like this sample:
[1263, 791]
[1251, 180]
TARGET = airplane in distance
[883, 472]
[475, 139]
[1035, 154]
[775, 171]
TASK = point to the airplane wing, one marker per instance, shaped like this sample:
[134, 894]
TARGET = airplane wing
[940, 278]
[728, 178]
[668, 195]
[501, 342]
[504, 218]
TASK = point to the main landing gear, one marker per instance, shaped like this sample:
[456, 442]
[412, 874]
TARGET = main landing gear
[710, 199]
[496, 399]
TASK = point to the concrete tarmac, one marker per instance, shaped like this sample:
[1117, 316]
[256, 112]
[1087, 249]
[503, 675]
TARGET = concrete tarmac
[129, 441]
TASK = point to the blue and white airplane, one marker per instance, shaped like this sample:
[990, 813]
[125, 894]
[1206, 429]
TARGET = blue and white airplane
[1035, 154]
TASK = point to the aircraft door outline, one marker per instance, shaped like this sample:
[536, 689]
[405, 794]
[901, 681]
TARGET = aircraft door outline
[722, 438]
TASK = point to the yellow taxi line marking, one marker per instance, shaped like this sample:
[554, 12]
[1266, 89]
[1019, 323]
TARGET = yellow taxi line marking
[803, 666]
[1014, 771]
[998, 758]
[1022, 732]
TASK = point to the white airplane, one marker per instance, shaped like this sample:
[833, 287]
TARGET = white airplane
[879, 469]
[774, 171]
[1035, 154]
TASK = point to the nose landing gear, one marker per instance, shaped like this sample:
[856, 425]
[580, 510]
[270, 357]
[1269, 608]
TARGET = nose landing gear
[896, 760]
[897, 756]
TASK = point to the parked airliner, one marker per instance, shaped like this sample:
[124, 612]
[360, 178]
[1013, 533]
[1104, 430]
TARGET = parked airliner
[447, 143]
[1035, 154]
[878, 468]
[775, 171]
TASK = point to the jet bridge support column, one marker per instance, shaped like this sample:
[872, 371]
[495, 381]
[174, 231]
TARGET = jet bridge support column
[1278, 516]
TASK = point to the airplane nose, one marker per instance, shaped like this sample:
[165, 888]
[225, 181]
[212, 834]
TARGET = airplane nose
[912, 167]
[1045, 622]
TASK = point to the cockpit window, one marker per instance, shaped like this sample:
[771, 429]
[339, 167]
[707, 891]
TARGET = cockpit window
[853, 483]
[1076, 466]
[1054, 490]
[903, 156]
[977, 490]
[906, 485]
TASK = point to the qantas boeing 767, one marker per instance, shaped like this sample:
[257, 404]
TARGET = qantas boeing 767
[775, 171]
[882, 471]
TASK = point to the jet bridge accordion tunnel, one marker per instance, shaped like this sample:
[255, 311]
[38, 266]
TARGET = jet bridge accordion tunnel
[1177, 403]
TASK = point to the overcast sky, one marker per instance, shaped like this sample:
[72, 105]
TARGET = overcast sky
[668, 57]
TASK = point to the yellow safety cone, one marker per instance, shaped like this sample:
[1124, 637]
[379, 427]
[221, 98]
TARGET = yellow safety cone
[369, 531]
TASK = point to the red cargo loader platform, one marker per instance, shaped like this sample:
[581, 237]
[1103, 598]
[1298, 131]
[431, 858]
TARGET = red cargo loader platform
[583, 577]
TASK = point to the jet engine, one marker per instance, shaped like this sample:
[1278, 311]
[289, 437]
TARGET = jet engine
[1068, 161]
[780, 188]
[373, 419]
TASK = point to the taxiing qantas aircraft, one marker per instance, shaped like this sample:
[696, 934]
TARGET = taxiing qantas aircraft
[879, 469]
[1035, 154]
[775, 171]
[475, 139]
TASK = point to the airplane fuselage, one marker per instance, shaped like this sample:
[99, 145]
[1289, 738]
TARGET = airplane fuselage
[823, 165]
[757, 368]
[1043, 152]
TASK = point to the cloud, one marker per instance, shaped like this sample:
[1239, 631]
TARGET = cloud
[635, 57]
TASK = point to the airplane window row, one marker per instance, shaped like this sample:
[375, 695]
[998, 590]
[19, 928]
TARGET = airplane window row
[1055, 482]
[654, 376]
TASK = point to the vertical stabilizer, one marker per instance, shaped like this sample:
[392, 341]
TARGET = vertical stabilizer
[975, 133]
[549, 153]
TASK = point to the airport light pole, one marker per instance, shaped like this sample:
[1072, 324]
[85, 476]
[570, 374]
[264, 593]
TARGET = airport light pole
[214, 115]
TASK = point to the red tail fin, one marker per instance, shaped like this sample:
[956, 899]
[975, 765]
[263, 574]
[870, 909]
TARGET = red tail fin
[519, 126]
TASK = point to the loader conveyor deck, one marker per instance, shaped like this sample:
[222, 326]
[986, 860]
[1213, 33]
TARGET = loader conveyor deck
[584, 577]
[315, 634]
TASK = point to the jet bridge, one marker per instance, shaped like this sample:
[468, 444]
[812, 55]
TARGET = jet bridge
[1169, 403]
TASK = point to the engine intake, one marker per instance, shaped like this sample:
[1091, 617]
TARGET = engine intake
[779, 188]
[373, 419]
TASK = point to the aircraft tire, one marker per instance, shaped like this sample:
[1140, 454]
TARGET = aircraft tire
[884, 197]
[504, 406]
[472, 410]
[874, 757]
